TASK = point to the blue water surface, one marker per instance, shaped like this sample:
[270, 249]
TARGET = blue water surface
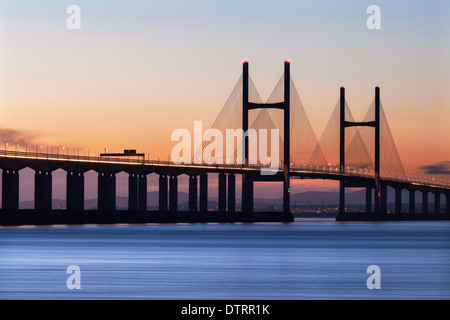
[307, 259]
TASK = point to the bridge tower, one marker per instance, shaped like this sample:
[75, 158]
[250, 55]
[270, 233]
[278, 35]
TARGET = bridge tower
[248, 179]
[380, 192]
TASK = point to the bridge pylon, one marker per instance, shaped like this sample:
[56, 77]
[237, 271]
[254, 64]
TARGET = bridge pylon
[248, 179]
[380, 191]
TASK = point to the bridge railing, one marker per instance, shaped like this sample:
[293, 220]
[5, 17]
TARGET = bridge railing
[311, 168]
[370, 173]
[65, 156]
[108, 159]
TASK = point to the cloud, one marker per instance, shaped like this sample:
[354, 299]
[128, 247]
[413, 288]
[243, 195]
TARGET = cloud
[14, 136]
[437, 168]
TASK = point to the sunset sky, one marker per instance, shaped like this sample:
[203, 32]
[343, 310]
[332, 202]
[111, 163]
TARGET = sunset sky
[137, 70]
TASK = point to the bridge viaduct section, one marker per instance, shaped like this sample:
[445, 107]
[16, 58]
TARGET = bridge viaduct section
[198, 211]
[379, 193]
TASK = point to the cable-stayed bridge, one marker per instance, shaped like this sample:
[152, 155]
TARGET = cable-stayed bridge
[358, 154]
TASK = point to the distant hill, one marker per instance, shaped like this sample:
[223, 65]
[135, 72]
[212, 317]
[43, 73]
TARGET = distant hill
[327, 198]
[300, 199]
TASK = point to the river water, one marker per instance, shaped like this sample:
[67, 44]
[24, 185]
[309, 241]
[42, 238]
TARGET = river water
[307, 259]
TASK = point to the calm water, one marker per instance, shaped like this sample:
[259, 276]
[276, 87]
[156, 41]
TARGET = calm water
[304, 260]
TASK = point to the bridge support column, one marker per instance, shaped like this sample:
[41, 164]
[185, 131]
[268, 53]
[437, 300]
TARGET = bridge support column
[412, 201]
[101, 186]
[142, 192]
[137, 192]
[111, 199]
[286, 194]
[437, 203]
[43, 190]
[10, 189]
[383, 200]
[193, 193]
[222, 192]
[376, 204]
[173, 194]
[231, 192]
[247, 193]
[398, 200]
[75, 191]
[342, 197]
[107, 191]
[203, 192]
[447, 203]
[424, 202]
[368, 199]
[162, 193]
[132, 192]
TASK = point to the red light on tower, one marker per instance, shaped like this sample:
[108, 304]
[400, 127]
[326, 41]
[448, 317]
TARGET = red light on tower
[288, 61]
[379, 194]
[244, 61]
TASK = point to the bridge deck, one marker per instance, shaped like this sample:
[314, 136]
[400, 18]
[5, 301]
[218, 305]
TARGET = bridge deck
[18, 160]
